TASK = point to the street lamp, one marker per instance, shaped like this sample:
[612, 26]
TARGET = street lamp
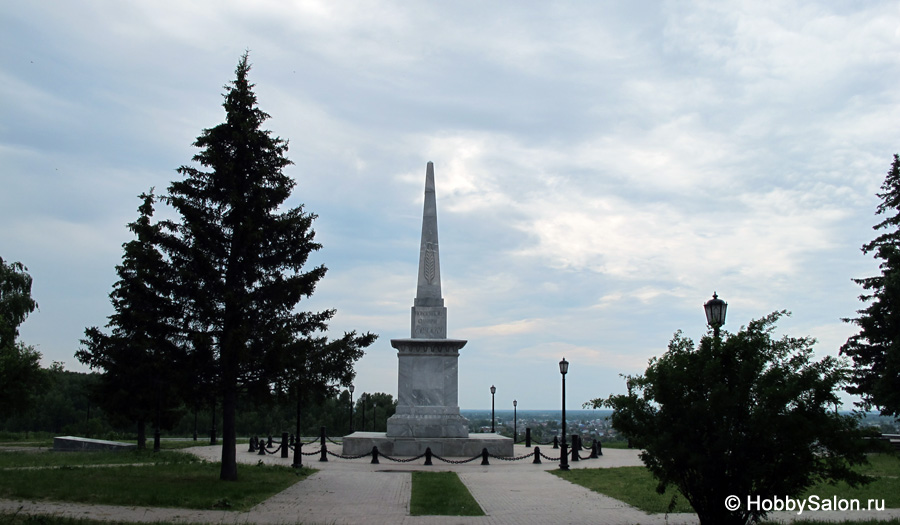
[493, 391]
[515, 421]
[715, 313]
[563, 449]
[351, 407]
[365, 399]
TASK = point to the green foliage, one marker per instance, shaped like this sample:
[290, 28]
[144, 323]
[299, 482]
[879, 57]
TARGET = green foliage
[240, 256]
[20, 369]
[376, 408]
[875, 350]
[20, 377]
[745, 415]
[441, 494]
[15, 300]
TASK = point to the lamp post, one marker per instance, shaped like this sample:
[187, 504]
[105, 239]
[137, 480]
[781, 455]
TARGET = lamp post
[563, 449]
[715, 313]
[365, 398]
[493, 391]
[351, 407]
[515, 421]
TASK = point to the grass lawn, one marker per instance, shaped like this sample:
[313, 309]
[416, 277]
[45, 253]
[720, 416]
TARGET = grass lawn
[182, 483]
[49, 519]
[50, 458]
[637, 487]
[441, 494]
[633, 485]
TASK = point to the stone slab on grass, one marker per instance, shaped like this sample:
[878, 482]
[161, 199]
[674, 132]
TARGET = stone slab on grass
[81, 444]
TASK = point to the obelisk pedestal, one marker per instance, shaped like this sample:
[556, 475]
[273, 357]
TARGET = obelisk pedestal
[427, 402]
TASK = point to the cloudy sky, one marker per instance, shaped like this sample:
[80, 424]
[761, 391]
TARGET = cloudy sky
[601, 167]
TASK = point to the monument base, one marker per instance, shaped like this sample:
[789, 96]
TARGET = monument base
[429, 426]
[362, 442]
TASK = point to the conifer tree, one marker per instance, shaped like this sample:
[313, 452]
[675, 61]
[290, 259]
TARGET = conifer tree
[241, 257]
[875, 350]
[140, 357]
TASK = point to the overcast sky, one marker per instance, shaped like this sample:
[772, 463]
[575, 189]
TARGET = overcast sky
[601, 167]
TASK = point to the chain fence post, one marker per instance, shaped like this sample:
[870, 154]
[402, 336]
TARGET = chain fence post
[537, 456]
[375, 456]
[262, 448]
[555, 442]
[527, 437]
[284, 444]
[252, 444]
[428, 455]
[269, 442]
[576, 446]
[484, 457]
[599, 448]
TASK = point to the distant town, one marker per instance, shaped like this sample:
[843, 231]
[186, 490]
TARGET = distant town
[593, 424]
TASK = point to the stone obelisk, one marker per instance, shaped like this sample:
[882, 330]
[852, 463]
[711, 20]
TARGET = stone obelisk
[427, 400]
[428, 393]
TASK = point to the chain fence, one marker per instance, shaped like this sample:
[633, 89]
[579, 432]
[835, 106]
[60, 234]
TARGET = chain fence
[263, 446]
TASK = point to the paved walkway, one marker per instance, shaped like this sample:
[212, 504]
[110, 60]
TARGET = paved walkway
[355, 491]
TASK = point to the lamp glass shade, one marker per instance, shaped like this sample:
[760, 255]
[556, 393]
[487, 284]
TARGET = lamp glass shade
[515, 402]
[563, 366]
[715, 311]
[352, 389]
[493, 389]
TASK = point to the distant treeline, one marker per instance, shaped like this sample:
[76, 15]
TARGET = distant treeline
[67, 405]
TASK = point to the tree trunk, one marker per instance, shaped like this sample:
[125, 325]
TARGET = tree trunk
[142, 434]
[229, 441]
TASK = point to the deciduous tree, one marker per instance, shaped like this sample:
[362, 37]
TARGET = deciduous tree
[747, 415]
[20, 364]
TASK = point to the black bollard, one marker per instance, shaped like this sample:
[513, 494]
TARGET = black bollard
[291, 440]
[269, 442]
[576, 446]
[262, 448]
[298, 455]
[599, 448]
[484, 457]
[537, 456]
[555, 442]
[284, 444]
[323, 456]
[375, 455]
[428, 456]
[527, 437]
[252, 444]
[594, 449]
[322, 437]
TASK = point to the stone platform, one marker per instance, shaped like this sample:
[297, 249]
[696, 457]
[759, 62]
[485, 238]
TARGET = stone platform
[362, 443]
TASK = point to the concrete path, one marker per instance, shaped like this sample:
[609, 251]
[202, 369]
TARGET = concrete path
[355, 491]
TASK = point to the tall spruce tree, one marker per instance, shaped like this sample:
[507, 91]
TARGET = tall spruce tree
[241, 258]
[141, 358]
[875, 350]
